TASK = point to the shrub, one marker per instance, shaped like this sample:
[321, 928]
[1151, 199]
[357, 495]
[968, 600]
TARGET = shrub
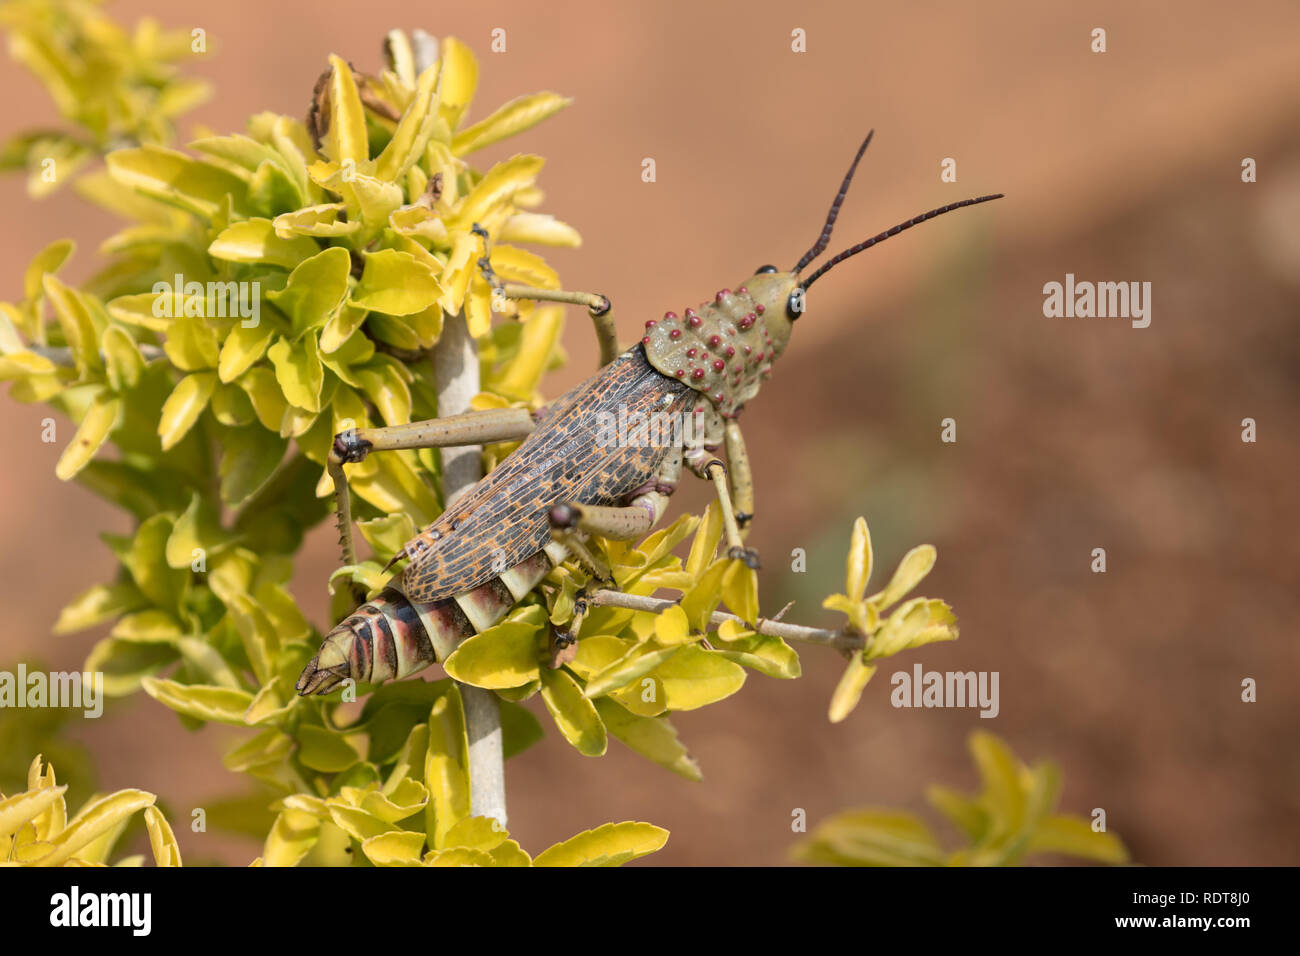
[271, 289]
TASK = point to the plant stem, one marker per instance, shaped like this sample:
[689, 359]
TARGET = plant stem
[456, 370]
[840, 640]
[62, 355]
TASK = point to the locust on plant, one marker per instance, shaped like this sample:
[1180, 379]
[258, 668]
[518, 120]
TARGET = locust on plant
[565, 483]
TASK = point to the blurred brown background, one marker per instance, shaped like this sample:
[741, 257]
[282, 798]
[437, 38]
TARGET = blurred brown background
[1072, 433]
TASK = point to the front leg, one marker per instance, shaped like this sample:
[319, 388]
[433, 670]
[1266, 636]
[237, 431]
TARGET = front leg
[467, 428]
[598, 306]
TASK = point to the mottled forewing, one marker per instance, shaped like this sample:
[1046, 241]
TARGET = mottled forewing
[503, 520]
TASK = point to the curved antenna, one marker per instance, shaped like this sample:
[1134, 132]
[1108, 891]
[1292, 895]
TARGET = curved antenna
[854, 250]
[820, 246]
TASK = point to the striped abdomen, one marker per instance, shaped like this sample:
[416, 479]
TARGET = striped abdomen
[393, 637]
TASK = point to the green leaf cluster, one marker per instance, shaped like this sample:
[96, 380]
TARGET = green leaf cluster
[631, 669]
[914, 623]
[268, 290]
[1012, 816]
[409, 804]
[112, 86]
[35, 829]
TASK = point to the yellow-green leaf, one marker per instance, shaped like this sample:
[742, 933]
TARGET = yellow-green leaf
[849, 690]
[25, 807]
[225, 705]
[458, 856]
[514, 117]
[177, 179]
[299, 371]
[502, 656]
[387, 535]
[764, 653]
[325, 750]
[255, 240]
[509, 853]
[49, 259]
[498, 187]
[446, 767]
[574, 714]
[191, 344]
[477, 833]
[395, 848]
[610, 845]
[184, 406]
[539, 229]
[903, 627]
[198, 528]
[148, 627]
[359, 824]
[81, 325]
[122, 359]
[320, 220]
[292, 837]
[166, 851]
[1076, 837]
[859, 561]
[264, 392]
[740, 590]
[317, 289]
[267, 747]
[346, 137]
[231, 406]
[395, 283]
[671, 627]
[694, 677]
[916, 564]
[637, 662]
[870, 837]
[251, 456]
[103, 602]
[700, 601]
[705, 543]
[652, 737]
[101, 418]
[458, 81]
[1000, 772]
[94, 819]
[413, 130]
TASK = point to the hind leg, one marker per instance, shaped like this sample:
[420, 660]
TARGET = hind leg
[572, 523]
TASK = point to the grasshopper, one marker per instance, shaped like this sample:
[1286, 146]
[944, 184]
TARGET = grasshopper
[499, 540]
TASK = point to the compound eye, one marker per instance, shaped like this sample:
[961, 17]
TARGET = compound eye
[795, 306]
[763, 270]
